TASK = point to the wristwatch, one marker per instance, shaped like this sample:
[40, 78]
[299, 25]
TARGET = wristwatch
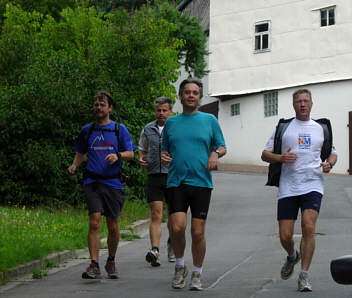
[331, 164]
[118, 155]
[217, 151]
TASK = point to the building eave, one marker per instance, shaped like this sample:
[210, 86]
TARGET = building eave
[235, 94]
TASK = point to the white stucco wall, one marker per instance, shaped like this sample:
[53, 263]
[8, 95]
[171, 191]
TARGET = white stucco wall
[247, 134]
[301, 51]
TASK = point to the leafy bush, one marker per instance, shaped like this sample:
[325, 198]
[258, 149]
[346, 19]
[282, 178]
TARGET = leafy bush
[49, 72]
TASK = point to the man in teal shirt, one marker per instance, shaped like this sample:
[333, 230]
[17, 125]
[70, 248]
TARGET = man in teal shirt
[192, 144]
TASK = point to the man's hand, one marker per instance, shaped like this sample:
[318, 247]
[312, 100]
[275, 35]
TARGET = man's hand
[213, 161]
[326, 167]
[111, 158]
[165, 158]
[72, 169]
[142, 162]
[288, 157]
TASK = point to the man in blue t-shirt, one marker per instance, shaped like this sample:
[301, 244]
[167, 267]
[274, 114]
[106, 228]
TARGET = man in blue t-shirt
[105, 143]
[192, 144]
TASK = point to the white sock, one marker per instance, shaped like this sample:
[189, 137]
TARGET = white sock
[197, 269]
[180, 261]
[303, 273]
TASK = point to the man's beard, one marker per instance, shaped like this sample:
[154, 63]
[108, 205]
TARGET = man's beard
[99, 116]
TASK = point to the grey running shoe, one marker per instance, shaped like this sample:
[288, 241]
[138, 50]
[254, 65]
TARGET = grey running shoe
[196, 282]
[152, 257]
[170, 252]
[304, 284]
[92, 272]
[179, 282]
[287, 268]
[111, 270]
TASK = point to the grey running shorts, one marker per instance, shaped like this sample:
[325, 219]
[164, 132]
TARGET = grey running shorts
[104, 199]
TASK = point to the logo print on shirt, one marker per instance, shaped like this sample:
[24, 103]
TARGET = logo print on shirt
[304, 141]
[100, 145]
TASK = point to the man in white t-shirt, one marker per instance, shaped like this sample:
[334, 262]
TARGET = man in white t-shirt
[301, 183]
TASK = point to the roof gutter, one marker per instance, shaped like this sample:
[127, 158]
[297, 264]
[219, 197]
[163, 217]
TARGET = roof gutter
[183, 4]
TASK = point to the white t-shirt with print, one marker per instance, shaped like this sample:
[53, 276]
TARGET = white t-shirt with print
[305, 138]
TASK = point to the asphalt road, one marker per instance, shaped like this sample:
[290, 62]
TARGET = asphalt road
[244, 256]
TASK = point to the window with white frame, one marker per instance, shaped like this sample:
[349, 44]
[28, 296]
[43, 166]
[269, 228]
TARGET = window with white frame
[235, 109]
[270, 103]
[262, 36]
[327, 16]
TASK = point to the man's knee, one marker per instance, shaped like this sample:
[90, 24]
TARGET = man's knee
[94, 225]
[178, 228]
[286, 236]
[197, 235]
[308, 229]
[156, 215]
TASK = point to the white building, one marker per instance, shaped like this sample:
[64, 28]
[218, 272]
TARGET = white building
[264, 50]
[199, 9]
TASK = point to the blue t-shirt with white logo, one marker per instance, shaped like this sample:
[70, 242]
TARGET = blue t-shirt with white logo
[189, 139]
[100, 144]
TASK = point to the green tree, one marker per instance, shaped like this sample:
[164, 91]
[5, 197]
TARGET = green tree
[188, 29]
[45, 7]
[47, 96]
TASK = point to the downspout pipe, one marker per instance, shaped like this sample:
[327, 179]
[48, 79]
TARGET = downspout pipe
[183, 4]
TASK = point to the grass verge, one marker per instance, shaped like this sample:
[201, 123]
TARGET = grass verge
[28, 234]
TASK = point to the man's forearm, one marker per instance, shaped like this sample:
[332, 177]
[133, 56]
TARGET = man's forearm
[127, 155]
[79, 158]
[271, 157]
[221, 151]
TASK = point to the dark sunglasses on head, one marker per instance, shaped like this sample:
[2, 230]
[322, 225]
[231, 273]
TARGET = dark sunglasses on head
[102, 95]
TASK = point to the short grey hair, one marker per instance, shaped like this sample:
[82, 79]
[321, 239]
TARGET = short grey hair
[300, 91]
[196, 81]
[163, 100]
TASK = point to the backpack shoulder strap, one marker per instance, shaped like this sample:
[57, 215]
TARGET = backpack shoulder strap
[117, 133]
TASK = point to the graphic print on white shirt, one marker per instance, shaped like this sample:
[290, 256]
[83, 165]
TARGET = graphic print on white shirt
[304, 141]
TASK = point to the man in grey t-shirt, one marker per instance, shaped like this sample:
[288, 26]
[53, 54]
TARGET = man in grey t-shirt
[149, 158]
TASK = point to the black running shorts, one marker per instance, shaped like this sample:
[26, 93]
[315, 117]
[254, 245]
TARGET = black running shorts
[104, 199]
[184, 196]
[287, 208]
[156, 187]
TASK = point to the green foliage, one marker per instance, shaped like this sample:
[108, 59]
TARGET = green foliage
[109, 5]
[129, 236]
[189, 30]
[28, 234]
[39, 273]
[52, 62]
[45, 7]
[56, 68]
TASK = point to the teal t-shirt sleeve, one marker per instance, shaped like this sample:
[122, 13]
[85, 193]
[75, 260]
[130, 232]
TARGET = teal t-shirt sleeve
[218, 138]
